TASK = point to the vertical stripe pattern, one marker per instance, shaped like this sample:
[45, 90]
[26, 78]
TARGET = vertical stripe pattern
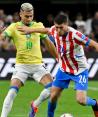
[70, 50]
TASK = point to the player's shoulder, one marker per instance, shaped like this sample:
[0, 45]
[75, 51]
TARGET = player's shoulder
[71, 29]
[52, 29]
[15, 24]
[12, 24]
[74, 31]
[40, 24]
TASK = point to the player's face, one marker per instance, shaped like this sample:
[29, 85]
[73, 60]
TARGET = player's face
[61, 28]
[26, 16]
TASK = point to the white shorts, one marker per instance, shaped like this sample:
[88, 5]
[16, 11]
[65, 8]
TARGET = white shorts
[23, 71]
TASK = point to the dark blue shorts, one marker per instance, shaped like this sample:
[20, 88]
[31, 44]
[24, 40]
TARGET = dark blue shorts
[63, 79]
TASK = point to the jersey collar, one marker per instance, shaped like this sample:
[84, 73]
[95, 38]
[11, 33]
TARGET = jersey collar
[30, 24]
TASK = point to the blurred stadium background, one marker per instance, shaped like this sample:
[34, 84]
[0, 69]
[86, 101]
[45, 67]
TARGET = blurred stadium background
[83, 15]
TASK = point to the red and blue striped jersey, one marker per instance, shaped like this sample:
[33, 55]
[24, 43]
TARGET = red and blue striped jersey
[71, 55]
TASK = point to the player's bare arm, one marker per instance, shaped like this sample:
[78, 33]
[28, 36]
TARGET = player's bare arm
[94, 44]
[28, 30]
[2, 36]
[2, 29]
[50, 46]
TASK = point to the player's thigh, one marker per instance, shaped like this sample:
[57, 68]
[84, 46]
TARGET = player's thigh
[42, 75]
[47, 78]
[81, 86]
[62, 80]
[81, 81]
[20, 75]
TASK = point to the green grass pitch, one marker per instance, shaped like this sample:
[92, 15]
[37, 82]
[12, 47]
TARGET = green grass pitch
[66, 103]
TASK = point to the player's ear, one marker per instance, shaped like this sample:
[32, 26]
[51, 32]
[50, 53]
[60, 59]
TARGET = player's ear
[20, 14]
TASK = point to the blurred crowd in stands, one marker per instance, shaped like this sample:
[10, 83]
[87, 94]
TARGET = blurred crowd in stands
[89, 26]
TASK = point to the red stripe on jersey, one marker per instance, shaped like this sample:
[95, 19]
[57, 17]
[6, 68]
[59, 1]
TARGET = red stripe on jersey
[63, 64]
[65, 57]
[72, 51]
[77, 41]
[58, 44]
[79, 34]
[86, 39]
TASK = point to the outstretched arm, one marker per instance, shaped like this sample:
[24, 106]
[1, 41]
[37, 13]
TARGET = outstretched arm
[2, 35]
[50, 47]
[94, 44]
[28, 30]
[86, 40]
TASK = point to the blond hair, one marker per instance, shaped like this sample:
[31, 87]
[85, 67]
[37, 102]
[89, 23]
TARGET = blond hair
[26, 7]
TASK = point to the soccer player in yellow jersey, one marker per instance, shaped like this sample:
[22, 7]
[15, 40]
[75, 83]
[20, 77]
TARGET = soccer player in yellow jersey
[28, 59]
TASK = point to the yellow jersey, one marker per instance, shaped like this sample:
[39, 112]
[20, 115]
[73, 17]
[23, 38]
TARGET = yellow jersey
[27, 46]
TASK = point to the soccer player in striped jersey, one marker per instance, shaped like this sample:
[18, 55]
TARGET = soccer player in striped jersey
[73, 64]
[28, 59]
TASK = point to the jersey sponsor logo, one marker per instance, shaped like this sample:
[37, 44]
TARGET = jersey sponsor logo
[7, 67]
[83, 37]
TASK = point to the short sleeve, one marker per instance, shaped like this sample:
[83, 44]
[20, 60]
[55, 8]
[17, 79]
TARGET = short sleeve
[9, 31]
[40, 25]
[82, 38]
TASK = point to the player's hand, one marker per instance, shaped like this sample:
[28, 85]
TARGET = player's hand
[24, 29]
[2, 29]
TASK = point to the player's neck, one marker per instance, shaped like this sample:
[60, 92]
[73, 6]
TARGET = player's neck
[65, 34]
[29, 24]
[67, 30]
